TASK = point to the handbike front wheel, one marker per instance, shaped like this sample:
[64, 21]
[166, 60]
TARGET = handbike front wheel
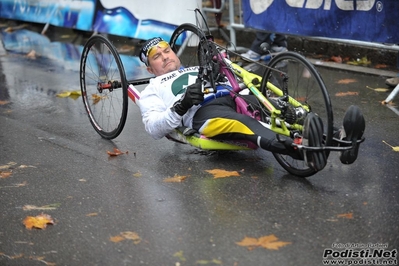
[306, 86]
[104, 87]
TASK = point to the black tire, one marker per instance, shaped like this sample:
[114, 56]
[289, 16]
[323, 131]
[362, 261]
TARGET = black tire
[101, 66]
[306, 86]
[185, 42]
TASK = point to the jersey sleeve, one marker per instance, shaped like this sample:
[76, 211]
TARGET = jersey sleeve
[158, 119]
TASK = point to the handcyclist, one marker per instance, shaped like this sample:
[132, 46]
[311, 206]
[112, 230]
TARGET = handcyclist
[174, 98]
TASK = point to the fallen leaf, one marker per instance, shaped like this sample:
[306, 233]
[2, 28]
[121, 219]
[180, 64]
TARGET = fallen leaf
[42, 208]
[381, 89]
[7, 166]
[4, 102]
[64, 94]
[96, 98]
[206, 262]
[131, 236]
[19, 185]
[394, 148]
[138, 174]
[360, 62]
[179, 255]
[267, 242]
[40, 221]
[220, 173]
[126, 236]
[41, 259]
[18, 256]
[379, 66]
[116, 152]
[117, 238]
[346, 81]
[248, 242]
[175, 179]
[5, 174]
[378, 89]
[348, 215]
[348, 93]
[92, 214]
[22, 166]
[271, 242]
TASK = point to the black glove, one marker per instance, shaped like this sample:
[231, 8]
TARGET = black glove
[192, 96]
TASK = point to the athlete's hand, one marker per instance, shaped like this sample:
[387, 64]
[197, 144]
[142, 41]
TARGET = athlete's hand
[192, 96]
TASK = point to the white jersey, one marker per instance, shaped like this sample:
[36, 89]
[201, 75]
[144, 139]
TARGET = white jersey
[159, 96]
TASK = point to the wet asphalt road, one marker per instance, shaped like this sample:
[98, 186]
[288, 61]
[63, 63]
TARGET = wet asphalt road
[120, 211]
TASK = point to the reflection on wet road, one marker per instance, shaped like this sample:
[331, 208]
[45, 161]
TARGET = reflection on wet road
[99, 199]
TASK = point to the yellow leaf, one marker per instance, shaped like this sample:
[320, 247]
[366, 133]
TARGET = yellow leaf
[348, 215]
[396, 148]
[179, 255]
[175, 179]
[69, 93]
[360, 62]
[77, 92]
[268, 242]
[138, 174]
[220, 173]
[381, 89]
[92, 214]
[378, 89]
[40, 221]
[64, 94]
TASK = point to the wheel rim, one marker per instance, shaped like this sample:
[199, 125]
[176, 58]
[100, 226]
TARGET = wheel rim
[304, 85]
[104, 101]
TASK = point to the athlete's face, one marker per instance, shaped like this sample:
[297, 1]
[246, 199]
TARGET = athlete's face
[162, 60]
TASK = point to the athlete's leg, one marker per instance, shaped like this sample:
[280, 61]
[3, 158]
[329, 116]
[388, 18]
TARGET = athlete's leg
[218, 119]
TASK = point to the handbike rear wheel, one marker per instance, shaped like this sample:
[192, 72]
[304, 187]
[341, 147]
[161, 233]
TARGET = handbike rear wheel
[104, 87]
[306, 86]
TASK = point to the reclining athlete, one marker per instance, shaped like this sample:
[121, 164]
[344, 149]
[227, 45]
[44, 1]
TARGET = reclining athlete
[174, 98]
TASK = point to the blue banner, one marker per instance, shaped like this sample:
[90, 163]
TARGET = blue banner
[362, 20]
[118, 17]
[68, 14]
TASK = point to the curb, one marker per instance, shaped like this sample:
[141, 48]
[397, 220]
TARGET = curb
[351, 68]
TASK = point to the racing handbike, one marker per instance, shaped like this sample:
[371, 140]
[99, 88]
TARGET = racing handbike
[287, 91]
